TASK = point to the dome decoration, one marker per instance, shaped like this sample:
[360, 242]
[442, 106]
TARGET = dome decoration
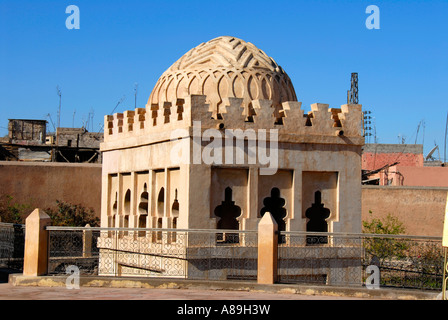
[221, 68]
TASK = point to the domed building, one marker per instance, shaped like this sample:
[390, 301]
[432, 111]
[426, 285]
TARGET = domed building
[225, 67]
[223, 140]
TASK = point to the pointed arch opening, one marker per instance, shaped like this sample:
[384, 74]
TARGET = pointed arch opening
[317, 215]
[228, 213]
[275, 204]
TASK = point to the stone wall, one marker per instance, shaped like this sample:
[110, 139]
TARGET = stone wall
[27, 131]
[41, 184]
[421, 209]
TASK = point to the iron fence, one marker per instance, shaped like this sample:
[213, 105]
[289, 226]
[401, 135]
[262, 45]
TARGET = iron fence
[313, 258]
[173, 253]
[12, 246]
[344, 259]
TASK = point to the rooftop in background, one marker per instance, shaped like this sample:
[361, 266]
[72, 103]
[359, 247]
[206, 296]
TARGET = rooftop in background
[402, 165]
[27, 131]
[376, 156]
[28, 140]
[393, 148]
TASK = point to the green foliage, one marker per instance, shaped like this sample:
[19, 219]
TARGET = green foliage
[391, 225]
[421, 261]
[384, 248]
[70, 215]
[64, 214]
[12, 212]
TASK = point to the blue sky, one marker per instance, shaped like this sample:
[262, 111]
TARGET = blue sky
[402, 67]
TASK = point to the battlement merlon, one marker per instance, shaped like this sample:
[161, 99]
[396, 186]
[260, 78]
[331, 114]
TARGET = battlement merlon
[320, 125]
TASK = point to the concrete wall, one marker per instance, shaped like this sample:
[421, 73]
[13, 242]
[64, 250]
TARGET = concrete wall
[421, 209]
[41, 184]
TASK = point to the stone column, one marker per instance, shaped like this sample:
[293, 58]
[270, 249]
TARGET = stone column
[267, 249]
[36, 244]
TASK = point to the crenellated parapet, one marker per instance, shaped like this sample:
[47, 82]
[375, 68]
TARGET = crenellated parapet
[291, 121]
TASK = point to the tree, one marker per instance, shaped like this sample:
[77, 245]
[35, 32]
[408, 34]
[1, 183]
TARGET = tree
[385, 248]
[72, 215]
[64, 214]
[390, 225]
[12, 212]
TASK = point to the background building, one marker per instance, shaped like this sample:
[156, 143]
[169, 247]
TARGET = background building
[401, 165]
[28, 140]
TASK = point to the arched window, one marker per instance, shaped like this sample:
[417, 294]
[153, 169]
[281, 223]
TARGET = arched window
[143, 211]
[143, 204]
[142, 224]
[175, 206]
[126, 210]
[115, 205]
[111, 219]
[275, 205]
[228, 213]
[127, 202]
[159, 226]
[161, 202]
[317, 215]
[174, 215]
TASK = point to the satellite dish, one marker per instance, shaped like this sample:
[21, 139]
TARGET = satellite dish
[429, 156]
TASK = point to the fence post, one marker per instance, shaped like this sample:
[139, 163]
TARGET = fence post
[36, 244]
[445, 249]
[267, 250]
[87, 242]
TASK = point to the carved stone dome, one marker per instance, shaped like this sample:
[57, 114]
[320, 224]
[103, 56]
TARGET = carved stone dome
[222, 68]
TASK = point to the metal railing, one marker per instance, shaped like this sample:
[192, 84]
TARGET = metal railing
[192, 254]
[12, 245]
[343, 259]
[316, 258]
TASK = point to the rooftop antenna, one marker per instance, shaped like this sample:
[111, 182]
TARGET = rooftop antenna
[116, 106]
[135, 93]
[90, 119]
[84, 123]
[446, 130]
[352, 94]
[418, 129]
[375, 140]
[58, 91]
[52, 123]
[118, 103]
[93, 113]
[73, 122]
[424, 126]
[367, 121]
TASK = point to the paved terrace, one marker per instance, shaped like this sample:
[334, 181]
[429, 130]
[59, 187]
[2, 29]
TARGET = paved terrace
[112, 288]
